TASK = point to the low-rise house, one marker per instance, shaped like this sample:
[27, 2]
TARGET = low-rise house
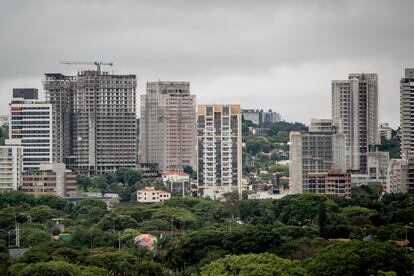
[150, 195]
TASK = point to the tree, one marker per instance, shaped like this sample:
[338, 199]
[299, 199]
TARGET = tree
[4, 134]
[5, 262]
[40, 214]
[322, 219]
[121, 263]
[100, 182]
[359, 258]
[84, 182]
[32, 236]
[253, 264]
[54, 202]
[302, 209]
[56, 268]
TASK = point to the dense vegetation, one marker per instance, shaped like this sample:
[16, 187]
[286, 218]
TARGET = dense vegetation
[392, 146]
[290, 236]
[268, 145]
[4, 134]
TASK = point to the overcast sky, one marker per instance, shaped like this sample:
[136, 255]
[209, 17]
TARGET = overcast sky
[261, 54]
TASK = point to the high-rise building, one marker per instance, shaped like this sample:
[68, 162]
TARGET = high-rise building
[11, 156]
[355, 108]
[219, 150]
[407, 126]
[31, 122]
[317, 151]
[60, 91]
[97, 111]
[167, 125]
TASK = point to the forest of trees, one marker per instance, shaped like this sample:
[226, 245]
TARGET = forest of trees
[296, 235]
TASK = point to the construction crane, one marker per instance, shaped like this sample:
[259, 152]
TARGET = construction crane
[96, 63]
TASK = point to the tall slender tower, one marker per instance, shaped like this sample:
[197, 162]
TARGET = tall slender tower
[407, 127]
[167, 126]
[355, 108]
[59, 90]
[219, 150]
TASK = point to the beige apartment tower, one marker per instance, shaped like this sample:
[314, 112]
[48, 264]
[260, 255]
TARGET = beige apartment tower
[407, 127]
[168, 125]
[355, 108]
[219, 150]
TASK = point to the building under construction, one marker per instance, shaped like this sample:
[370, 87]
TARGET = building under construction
[94, 120]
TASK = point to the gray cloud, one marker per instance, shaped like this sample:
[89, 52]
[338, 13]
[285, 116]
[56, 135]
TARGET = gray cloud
[271, 54]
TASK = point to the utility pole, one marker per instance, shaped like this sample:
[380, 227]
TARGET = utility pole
[119, 240]
[17, 232]
[91, 243]
[172, 225]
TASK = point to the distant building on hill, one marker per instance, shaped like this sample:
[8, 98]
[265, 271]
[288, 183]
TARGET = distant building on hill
[385, 131]
[177, 183]
[150, 195]
[261, 117]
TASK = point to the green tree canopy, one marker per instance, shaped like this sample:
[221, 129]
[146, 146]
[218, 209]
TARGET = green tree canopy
[359, 258]
[253, 264]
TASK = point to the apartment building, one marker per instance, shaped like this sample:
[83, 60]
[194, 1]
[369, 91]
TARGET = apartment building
[334, 182]
[97, 111]
[355, 108]
[385, 131]
[219, 150]
[50, 179]
[30, 120]
[396, 176]
[406, 124]
[167, 125]
[317, 151]
[150, 195]
[11, 160]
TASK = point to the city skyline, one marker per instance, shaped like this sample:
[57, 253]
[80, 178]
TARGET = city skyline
[287, 52]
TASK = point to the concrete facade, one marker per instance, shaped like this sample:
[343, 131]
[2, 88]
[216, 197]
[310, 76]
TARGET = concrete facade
[31, 122]
[385, 131]
[355, 108]
[334, 182]
[150, 195]
[317, 151]
[407, 125]
[168, 125]
[51, 179]
[219, 150]
[11, 162]
[94, 120]
[396, 176]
